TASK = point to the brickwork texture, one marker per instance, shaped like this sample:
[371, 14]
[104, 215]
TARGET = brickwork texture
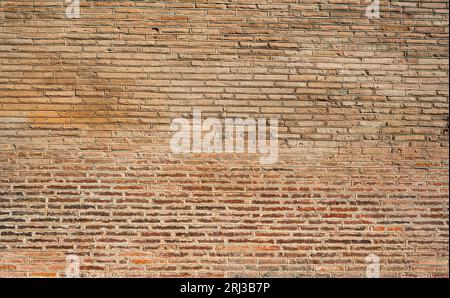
[86, 167]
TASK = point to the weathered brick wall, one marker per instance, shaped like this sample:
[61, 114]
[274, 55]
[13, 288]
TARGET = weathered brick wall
[86, 167]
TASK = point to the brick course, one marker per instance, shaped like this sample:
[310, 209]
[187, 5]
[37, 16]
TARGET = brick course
[86, 167]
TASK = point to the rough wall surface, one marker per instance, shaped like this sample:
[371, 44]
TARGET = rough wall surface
[86, 168]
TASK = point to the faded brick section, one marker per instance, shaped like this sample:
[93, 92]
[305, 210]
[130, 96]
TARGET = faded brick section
[86, 167]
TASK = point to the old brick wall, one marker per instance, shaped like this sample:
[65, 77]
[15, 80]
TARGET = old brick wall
[85, 163]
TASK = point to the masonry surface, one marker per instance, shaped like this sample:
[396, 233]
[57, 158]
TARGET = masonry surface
[85, 161]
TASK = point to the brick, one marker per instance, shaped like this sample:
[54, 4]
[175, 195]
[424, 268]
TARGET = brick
[85, 162]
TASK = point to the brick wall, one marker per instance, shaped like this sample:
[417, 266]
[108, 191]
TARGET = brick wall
[86, 167]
